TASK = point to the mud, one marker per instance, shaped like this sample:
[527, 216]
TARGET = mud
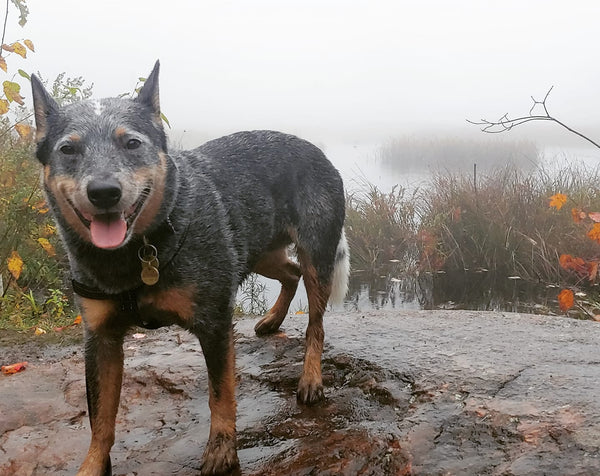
[407, 392]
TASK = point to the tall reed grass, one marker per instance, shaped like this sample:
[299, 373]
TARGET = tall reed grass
[501, 223]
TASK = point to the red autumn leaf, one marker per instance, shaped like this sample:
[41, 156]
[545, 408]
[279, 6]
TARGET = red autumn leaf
[578, 215]
[566, 300]
[14, 368]
[595, 216]
[570, 263]
[75, 322]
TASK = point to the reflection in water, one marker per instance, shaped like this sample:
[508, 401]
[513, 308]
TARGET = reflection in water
[475, 290]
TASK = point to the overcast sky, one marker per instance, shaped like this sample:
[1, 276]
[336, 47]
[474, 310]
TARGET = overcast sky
[359, 69]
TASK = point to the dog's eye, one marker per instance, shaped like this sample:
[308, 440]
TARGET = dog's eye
[133, 144]
[68, 149]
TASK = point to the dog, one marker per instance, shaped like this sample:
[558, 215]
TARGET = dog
[156, 238]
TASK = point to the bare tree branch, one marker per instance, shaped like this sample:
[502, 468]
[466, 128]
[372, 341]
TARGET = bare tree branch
[505, 123]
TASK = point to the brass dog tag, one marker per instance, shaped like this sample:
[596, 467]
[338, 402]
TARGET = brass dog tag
[150, 275]
[148, 256]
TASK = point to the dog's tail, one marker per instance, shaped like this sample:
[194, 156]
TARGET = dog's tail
[341, 272]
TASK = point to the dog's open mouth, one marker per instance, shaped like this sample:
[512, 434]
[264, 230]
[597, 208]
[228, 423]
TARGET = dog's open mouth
[109, 230]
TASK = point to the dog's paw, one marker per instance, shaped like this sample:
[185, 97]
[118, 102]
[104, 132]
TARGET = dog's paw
[310, 392]
[220, 457]
[92, 467]
[268, 324]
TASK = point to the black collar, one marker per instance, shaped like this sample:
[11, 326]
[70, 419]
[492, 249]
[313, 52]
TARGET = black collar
[127, 299]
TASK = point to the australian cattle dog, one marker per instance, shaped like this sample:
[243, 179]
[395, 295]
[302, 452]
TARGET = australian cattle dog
[157, 237]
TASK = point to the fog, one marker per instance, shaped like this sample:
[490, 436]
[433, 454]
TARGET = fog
[348, 70]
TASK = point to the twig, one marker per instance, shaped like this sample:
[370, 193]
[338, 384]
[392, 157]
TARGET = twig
[505, 123]
[4, 27]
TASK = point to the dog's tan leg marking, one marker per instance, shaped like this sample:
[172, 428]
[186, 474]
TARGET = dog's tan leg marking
[178, 301]
[97, 312]
[277, 265]
[220, 456]
[104, 374]
[310, 387]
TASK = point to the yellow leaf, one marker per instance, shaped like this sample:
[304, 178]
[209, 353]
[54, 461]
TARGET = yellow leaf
[24, 130]
[19, 49]
[77, 319]
[12, 90]
[47, 246]
[3, 106]
[29, 44]
[3, 64]
[558, 200]
[15, 264]
[39, 331]
[49, 230]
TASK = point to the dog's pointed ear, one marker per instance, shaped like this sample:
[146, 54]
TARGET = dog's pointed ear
[43, 107]
[148, 95]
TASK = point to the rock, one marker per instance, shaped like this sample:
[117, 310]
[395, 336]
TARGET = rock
[407, 392]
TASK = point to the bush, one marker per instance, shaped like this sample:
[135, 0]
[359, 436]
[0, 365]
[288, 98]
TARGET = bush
[32, 262]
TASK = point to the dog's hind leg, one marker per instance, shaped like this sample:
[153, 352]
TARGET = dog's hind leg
[103, 377]
[310, 387]
[277, 265]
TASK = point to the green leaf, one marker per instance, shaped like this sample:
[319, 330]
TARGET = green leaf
[11, 91]
[23, 11]
[164, 118]
[24, 74]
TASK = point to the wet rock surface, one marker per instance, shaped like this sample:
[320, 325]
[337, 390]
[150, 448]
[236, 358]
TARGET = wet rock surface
[407, 392]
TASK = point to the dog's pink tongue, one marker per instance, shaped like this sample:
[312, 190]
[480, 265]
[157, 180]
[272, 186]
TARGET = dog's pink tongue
[108, 230]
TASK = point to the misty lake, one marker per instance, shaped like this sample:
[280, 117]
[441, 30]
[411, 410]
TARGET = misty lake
[363, 163]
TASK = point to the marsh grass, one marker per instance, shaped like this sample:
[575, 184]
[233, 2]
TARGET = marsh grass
[502, 223]
[380, 226]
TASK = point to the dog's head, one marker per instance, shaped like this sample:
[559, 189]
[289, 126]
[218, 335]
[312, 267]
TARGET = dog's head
[105, 162]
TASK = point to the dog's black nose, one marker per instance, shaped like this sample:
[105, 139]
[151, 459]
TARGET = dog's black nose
[104, 193]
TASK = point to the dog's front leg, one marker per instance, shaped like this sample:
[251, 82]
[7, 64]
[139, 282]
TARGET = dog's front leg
[103, 377]
[220, 456]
